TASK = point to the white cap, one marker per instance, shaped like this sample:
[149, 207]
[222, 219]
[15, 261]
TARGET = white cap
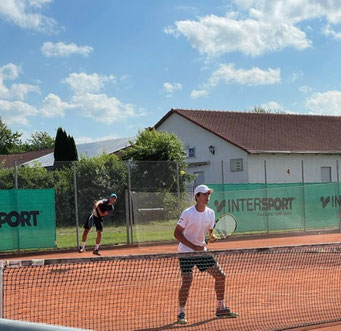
[202, 189]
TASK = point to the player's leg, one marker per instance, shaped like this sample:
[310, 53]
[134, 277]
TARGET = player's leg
[186, 266]
[220, 277]
[99, 228]
[87, 226]
[185, 287]
[85, 235]
[183, 295]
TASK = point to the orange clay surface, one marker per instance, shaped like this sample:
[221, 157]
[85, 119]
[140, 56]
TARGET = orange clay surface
[171, 248]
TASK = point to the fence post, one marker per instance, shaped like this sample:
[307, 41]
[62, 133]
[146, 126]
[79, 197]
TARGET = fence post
[76, 200]
[338, 191]
[303, 199]
[15, 175]
[178, 187]
[222, 172]
[1, 289]
[130, 205]
[126, 197]
[266, 196]
[16, 199]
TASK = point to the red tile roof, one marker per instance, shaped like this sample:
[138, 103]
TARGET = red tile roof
[21, 158]
[269, 132]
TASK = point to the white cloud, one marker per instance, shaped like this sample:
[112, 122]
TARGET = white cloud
[265, 26]
[329, 31]
[228, 74]
[9, 71]
[327, 103]
[295, 76]
[125, 78]
[214, 36]
[87, 101]
[19, 91]
[26, 14]
[292, 11]
[198, 94]
[60, 49]
[98, 107]
[295, 11]
[103, 108]
[254, 76]
[170, 88]
[16, 112]
[83, 83]
[53, 106]
[171, 30]
[305, 89]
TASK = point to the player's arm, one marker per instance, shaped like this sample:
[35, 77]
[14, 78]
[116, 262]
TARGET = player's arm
[99, 210]
[211, 237]
[179, 236]
[108, 209]
[102, 213]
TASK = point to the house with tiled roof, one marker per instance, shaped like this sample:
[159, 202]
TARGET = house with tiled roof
[111, 146]
[46, 157]
[12, 160]
[249, 147]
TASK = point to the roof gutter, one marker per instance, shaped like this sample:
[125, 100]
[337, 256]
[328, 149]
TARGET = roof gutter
[293, 152]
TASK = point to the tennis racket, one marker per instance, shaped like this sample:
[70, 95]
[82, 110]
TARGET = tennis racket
[224, 227]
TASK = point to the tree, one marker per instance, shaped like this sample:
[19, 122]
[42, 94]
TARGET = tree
[155, 158]
[39, 140]
[64, 147]
[59, 145]
[98, 177]
[8, 139]
[260, 110]
[152, 145]
[72, 154]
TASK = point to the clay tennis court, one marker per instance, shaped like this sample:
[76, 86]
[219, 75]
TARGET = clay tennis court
[126, 290]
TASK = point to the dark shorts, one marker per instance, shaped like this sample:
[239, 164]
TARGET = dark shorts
[91, 220]
[202, 263]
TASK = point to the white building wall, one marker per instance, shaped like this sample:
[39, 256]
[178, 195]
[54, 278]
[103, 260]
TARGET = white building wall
[218, 169]
[193, 136]
[287, 168]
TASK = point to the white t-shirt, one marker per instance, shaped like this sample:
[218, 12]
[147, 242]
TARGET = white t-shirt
[195, 224]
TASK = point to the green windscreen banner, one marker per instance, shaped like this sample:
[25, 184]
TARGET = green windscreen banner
[27, 219]
[279, 207]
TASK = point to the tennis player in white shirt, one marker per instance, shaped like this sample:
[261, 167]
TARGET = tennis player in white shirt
[190, 231]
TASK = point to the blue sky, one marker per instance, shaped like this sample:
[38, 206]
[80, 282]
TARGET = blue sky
[106, 69]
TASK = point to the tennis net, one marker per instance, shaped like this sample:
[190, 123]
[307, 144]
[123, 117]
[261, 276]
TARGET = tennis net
[271, 289]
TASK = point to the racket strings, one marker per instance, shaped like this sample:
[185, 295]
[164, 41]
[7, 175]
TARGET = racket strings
[224, 227]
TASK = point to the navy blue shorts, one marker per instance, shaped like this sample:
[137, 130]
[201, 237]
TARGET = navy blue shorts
[91, 220]
[202, 262]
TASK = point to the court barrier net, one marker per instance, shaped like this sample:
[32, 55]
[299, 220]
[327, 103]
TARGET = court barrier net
[271, 289]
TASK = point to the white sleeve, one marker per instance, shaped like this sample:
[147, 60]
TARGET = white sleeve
[212, 219]
[183, 220]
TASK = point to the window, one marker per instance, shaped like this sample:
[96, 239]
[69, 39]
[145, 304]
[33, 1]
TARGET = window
[191, 152]
[236, 165]
[326, 174]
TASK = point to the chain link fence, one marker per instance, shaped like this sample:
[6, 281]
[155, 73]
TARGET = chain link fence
[78, 184]
[152, 194]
